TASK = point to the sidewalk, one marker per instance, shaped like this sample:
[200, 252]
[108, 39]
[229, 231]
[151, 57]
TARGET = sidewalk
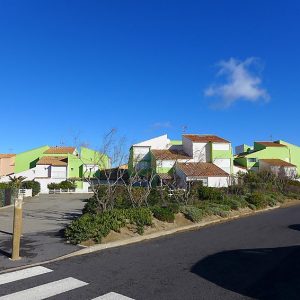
[44, 218]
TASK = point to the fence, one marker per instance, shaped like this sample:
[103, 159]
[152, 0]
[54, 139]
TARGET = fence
[61, 191]
[25, 192]
[6, 197]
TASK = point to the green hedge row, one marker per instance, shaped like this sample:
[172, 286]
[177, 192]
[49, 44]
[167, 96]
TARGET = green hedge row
[96, 226]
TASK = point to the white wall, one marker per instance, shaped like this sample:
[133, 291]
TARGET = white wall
[160, 143]
[165, 163]
[221, 146]
[42, 171]
[58, 172]
[278, 170]
[237, 169]
[90, 168]
[223, 163]
[28, 174]
[201, 152]
[218, 181]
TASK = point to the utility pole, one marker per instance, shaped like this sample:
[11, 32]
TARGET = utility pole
[17, 230]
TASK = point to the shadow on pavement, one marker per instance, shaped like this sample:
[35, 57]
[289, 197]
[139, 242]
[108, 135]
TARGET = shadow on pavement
[267, 273]
[295, 227]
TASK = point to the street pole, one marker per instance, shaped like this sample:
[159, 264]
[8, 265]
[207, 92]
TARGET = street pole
[17, 230]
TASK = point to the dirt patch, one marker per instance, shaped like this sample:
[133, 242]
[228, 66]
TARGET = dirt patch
[290, 202]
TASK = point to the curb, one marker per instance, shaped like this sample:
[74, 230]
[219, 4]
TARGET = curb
[133, 240]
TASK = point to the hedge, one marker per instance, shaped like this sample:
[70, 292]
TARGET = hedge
[96, 226]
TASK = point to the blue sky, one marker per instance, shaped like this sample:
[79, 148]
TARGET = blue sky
[74, 69]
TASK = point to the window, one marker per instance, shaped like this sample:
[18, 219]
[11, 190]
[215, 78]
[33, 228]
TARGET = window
[252, 159]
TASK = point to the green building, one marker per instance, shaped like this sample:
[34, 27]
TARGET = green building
[280, 151]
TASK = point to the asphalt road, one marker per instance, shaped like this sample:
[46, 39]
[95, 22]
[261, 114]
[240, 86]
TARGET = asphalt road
[253, 257]
[44, 217]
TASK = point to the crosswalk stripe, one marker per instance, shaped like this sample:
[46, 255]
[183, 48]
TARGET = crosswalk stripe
[46, 290]
[23, 274]
[112, 296]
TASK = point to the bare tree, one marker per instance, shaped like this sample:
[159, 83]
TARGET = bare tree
[105, 172]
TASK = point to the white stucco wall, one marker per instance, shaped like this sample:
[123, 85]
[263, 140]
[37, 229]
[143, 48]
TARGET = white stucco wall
[58, 172]
[237, 169]
[221, 146]
[201, 152]
[278, 170]
[223, 163]
[159, 143]
[43, 171]
[218, 181]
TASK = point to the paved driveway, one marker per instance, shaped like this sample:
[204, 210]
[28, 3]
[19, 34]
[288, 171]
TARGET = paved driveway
[44, 217]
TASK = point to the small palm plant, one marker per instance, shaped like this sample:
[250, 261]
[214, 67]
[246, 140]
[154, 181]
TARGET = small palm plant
[16, 182]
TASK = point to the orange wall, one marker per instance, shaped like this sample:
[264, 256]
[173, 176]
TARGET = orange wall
[7, 165]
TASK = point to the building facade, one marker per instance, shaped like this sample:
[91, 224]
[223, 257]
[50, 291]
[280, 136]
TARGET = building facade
[208, 155]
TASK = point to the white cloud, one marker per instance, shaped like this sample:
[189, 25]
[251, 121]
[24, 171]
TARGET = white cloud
[241, 82]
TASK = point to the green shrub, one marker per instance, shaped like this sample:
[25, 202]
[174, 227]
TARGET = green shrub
[66, 184]
[174, 207]
[209, 193]
[4, 185]
[257, 199]
[163, 214]
[34, 185]
[192, 213]
[96, 226]
[141, 217]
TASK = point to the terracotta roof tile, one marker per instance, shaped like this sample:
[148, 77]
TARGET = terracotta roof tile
[277, 162]
[205, 138]
[170, 154]
[201, 169]
[53, 161]
[271, 144]
[165, 176]
[60, 150]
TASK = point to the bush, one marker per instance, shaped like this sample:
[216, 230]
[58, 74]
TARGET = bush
[96, 226]
[34, 185]
[257, 199]
[163, 214]
[4, 186]
[66, 184]
[158, 196]
[174, 207]
[209, 193]
[192, 213]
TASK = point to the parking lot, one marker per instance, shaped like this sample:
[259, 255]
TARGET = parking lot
[44, 218]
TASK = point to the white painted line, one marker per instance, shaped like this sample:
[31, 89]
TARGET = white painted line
[23, 274]
[46, 290]
[112, 296]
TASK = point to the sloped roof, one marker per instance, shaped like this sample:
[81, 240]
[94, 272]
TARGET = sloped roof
[165, 176]
[60, 150]
[170, 154]
[270, 144]
[205, 138]
[277, 162]
[201, 169]
[53, 161]
[7, 155]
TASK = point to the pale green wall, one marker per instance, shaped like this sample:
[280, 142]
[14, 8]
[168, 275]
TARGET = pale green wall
[94, 157]
[27, 160]
[265, 153]
[74, 166]
[294, 154]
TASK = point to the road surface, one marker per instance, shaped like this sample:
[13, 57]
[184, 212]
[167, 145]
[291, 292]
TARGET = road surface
[253, 257]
